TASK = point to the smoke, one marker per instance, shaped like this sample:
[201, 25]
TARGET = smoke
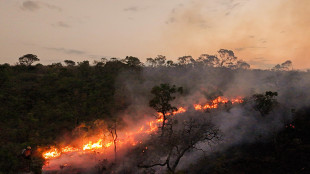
[238, 125]
[273, 31]
[241, 124]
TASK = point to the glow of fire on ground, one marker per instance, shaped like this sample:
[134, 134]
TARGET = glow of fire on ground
[148, 128]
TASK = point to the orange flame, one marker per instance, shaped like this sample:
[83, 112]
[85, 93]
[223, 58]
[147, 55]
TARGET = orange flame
[69, 149]
[52, 153]
[216, 102]
[197, 107]
[93, 146]
[148, 128]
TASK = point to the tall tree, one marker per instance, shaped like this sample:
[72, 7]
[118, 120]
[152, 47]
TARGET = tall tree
[28, 59]
[163, 95]
[227, 58]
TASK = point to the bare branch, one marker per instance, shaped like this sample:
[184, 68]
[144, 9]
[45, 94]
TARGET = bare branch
[153, 165]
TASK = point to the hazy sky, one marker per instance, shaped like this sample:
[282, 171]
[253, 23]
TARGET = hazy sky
[261, 32]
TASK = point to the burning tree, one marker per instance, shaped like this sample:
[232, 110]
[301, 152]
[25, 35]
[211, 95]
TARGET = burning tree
[113, 130]
[161, 101]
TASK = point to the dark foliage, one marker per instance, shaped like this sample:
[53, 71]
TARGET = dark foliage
[265, 103]
[39, 103]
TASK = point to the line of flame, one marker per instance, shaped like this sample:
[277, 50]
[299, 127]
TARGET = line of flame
[149, 127]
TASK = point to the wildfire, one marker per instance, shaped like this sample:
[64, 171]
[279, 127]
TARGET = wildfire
[108, 144]
[197, 107]
[69, 149]
[216, 102]
[179, 111]
[52, 153]
[93, 146]
[129, 138]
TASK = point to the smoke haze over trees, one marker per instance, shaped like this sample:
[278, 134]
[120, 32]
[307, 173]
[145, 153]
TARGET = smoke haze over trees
[50, 105]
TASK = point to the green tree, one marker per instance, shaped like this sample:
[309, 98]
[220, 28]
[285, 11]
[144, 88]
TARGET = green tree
[163, 95]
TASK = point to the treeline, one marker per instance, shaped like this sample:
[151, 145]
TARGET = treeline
[224, 59]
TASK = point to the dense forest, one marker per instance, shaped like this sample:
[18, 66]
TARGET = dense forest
[268, 132]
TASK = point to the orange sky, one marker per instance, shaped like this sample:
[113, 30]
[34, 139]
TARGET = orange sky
[262, 32]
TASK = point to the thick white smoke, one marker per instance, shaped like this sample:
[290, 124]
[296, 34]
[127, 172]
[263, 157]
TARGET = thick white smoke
[238, 125]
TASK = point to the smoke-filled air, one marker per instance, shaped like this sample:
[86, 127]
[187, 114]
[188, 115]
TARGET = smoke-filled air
[154, 87]
[198, 115]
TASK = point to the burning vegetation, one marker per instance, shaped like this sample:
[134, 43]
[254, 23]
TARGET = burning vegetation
[120, 116]
[128, 139]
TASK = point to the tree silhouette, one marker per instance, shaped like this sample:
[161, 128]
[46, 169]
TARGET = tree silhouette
[161, 101]
[160, 60]
[69, 62]
[209, 60]
[28, 59]
[285, 66]
[186, 60]
[132, 61]
[227, 58]
[186, 133]
[242, 65]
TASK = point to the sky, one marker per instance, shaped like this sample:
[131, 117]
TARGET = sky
[262, 32]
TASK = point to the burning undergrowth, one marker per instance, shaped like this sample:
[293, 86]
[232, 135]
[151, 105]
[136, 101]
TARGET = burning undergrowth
[103, 141]
[219, 108]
